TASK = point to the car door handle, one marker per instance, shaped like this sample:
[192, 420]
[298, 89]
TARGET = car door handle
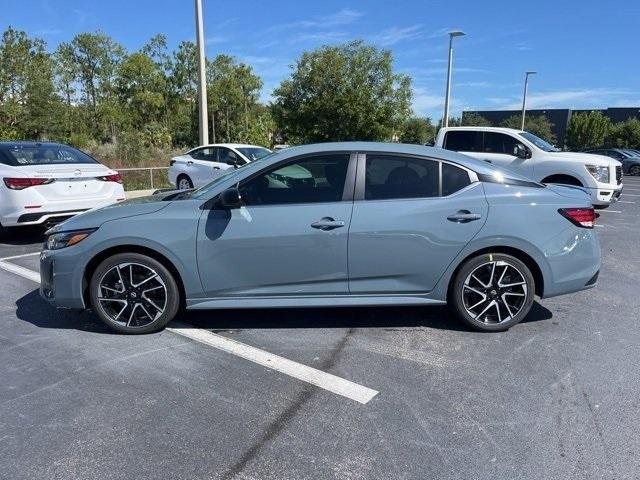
[327, 223]
[189, 162]
[464, 216]
[487, 160]
[216, 168]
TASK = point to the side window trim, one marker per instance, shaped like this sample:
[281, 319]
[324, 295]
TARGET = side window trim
[349, 184]
[359, 193]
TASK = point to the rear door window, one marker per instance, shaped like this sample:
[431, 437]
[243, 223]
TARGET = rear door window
[498, 143]
[389, 177]
[463, 141]
[453, 179]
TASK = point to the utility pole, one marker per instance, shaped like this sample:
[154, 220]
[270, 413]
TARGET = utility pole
[455, 33]
[524, 96]
[203, 124]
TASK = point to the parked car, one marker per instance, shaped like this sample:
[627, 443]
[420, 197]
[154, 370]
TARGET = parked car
[630, 159]
[535, 158]
[200, 165]
[327, 225]
[43, 183]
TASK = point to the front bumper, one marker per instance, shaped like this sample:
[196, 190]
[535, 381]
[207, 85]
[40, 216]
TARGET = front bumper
[61, 282]
[605, 195]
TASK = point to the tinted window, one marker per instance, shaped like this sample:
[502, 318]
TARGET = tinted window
[463, 141]
[208, 154]
[498, 143]
[453, 179]
[388, 176]
[230, 157]
[314, 179]
[18, 155]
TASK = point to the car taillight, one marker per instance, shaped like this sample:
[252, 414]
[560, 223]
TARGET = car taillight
[22, 183]
[582, 217]
[116, 177]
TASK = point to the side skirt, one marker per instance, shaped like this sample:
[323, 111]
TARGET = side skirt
[301, 302]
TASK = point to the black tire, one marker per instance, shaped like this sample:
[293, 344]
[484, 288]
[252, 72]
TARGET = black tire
[493, 293]
[3, 232]
[184, 178]
[635, 170]
[140, 263]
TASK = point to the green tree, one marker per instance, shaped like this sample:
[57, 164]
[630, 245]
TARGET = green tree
[472, 119]
[183, 84]
[28, 101]
[538, 125]
[344, 92]
[624, 134]
[233, 92]
[418, 130]
[96, 57]
[587, 130]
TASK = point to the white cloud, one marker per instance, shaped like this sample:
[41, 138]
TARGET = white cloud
[345, 16]
[574, 98]
[214, 40]
[393, 35]
[48, 31]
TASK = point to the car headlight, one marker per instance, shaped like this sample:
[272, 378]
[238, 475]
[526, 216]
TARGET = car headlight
[601, 174]
[56, 241]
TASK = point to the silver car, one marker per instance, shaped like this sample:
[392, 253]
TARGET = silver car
[327, 225]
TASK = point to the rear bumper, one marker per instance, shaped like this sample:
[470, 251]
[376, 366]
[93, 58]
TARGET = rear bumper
[12, 215]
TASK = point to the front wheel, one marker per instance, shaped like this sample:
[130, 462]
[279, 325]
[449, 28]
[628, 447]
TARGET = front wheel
[134, 293]
[635, 170]
[184, 183]
[492, 292]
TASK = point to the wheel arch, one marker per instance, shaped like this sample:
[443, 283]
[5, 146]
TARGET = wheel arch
[130, 248]
[521, 255]
[563, 178]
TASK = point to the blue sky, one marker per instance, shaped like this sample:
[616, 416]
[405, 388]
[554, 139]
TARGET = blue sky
[586, 52]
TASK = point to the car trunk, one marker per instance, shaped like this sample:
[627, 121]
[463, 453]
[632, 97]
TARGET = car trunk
[71, 181]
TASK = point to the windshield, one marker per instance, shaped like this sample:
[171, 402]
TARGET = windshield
[254, 153]
[538, 142]
[20, 155]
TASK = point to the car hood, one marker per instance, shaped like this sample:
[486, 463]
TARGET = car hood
[129, 208]
[584, 158]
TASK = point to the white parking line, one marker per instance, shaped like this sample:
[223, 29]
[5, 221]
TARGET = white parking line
[321, 379]
[18, 270]
[20, 256]
[609, 211]
[624, 201]
[327, 381]
[630, 194]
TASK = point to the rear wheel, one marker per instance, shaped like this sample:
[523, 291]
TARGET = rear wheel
[133, 293]
[184, 183]
[635, 170]
[492, 292]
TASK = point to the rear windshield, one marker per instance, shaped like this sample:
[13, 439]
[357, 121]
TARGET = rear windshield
[23, 155]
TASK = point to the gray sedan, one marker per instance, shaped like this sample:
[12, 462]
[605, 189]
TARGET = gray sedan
[327, 225]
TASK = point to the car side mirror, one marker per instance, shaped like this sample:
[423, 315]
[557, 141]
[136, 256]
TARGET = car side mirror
[521, 151]
[230, 198]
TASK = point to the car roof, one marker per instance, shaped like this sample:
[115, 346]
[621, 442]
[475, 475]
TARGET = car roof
[478, 166]
[485, 129]
[232, 145]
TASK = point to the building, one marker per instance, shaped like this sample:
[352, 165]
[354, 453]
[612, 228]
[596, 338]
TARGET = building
[559, 117]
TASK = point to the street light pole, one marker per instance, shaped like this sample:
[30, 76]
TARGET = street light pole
[455, 33]
[524, 96]
[203, 124]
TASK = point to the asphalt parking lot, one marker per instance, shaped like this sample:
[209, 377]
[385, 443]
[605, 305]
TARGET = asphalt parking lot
[411, 394]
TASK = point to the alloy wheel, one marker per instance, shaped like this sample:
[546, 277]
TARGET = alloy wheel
[494, 292]
[132, 295]
[184, 184]
[635, 170]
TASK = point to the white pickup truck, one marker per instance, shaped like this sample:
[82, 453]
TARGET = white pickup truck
[533, 157]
